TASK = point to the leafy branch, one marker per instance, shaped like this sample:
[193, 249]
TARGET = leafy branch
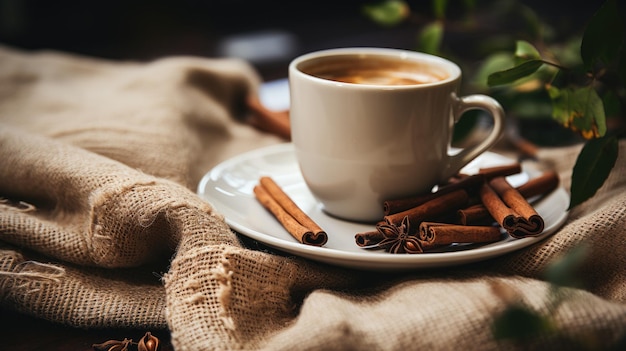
[583, 93]
[580, 107]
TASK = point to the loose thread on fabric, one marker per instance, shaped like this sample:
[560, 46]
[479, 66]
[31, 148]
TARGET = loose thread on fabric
[25, 270]
[223, 275]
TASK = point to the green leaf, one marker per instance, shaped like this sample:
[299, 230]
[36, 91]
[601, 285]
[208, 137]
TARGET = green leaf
[592, 168]
[496, 62]
[387, 13]
[525, 51]
[520, 323]
[431, 37]
[565, 270]
[604, 35]
[511, 75]
[579, 109]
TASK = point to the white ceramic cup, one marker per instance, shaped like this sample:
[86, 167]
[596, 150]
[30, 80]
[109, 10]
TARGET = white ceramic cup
[359, 144]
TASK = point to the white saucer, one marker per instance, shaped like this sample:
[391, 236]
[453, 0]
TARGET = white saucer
[228, 188]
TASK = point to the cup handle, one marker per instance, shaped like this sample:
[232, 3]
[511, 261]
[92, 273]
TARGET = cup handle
[473, 102]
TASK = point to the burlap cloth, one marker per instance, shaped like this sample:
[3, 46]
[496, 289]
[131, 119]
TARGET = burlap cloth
[100, 227]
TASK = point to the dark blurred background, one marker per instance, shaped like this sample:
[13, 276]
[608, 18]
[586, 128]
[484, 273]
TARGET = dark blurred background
[266, 33]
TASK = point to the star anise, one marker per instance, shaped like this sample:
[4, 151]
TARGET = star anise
[398, 239]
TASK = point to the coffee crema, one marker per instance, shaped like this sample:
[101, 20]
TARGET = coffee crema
[373, 70]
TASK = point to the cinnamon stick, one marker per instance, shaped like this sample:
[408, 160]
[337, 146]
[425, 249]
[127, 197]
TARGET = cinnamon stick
[394, 206]
[529, 222]
[510, 209]
[430, 209]
[455, 178]
[504, 215]
[424, 232]
[293, 219]
[542, 185]
[501, 171]
[473, 214]
[460, 181]
[274, 122]
[368, 238]
[433, 234]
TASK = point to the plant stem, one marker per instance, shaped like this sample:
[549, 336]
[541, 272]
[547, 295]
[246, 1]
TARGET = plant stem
[556, 65]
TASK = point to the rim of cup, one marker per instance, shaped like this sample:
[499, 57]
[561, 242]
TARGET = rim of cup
[452, 70]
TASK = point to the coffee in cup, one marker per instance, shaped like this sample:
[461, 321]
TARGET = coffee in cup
[373, 70]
